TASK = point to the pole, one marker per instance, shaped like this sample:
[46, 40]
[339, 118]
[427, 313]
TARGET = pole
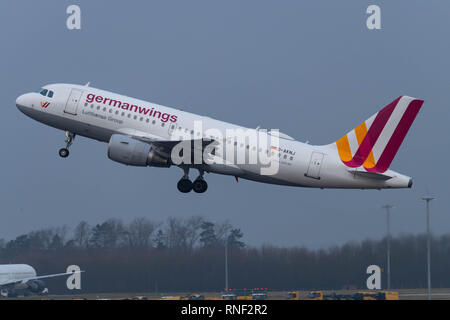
[428, 199]
[226, 264]
[388, 240]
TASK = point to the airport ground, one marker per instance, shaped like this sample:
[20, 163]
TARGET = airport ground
[404, 294]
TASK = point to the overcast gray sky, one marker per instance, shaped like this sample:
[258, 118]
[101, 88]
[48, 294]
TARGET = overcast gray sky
[310, 68]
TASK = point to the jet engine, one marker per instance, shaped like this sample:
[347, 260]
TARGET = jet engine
[133, 152]
[36, 286]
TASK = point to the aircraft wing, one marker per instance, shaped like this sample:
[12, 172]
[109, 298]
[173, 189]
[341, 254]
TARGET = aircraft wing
[163, 146]
[25, 280]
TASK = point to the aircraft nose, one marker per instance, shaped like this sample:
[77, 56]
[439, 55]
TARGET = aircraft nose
[23, 102]
[20, 101]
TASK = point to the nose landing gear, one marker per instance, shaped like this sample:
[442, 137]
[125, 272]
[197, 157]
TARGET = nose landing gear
[185, 185]
[64, 152]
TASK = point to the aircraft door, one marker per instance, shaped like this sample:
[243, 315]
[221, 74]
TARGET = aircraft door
[314, 165]
[72, 102]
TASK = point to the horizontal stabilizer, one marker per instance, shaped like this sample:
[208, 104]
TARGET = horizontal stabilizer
[370, 175]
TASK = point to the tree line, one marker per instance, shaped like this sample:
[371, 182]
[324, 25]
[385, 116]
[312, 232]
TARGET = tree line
[188, 254]
[175, 233]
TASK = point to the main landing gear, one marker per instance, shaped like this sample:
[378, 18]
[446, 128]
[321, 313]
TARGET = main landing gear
[64, 152]
[185, 185]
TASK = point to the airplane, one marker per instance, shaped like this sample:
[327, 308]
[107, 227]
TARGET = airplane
[140, 133]
[18, 279]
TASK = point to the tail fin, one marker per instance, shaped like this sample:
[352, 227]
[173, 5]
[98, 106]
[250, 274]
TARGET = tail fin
[374, 143]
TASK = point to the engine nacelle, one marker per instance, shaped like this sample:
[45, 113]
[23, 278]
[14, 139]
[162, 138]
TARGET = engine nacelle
[133, 152]
[36, 286]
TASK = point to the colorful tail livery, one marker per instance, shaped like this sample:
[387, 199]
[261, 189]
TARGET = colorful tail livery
[374, 143]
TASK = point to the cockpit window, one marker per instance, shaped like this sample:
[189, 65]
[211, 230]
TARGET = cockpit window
[46, 93]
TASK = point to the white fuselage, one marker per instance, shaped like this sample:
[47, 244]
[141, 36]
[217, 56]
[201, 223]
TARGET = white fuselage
[11, 272]
[95, 114]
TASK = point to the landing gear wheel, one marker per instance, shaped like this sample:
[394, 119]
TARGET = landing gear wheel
[63, 152]
[199, 186]
[184, 185]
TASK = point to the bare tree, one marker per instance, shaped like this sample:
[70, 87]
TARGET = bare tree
[208, 236]
[140, 231]
[109, 234]
[193, 226]
[222, 231]
[82, 234]
[176, 233]
[47, 238]
[2, 244]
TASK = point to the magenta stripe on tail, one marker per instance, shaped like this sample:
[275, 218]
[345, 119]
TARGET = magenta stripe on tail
[372, 135]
